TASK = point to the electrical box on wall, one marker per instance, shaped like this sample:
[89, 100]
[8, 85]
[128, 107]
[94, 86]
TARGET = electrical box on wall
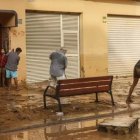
[19, 21]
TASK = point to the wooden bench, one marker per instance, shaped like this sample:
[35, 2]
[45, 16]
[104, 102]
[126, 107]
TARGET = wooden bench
[80, 86]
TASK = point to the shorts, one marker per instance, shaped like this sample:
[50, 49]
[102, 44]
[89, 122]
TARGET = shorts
[61, 77]
[53, 80]
[11, 74]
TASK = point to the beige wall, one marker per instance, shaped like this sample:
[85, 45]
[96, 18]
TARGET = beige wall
[93, 28]
[95, 32]
[17, 34]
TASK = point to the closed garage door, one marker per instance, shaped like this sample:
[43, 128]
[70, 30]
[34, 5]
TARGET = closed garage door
[46, 33]
[124, 44]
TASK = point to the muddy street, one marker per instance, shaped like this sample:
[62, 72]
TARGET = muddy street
[21, 110]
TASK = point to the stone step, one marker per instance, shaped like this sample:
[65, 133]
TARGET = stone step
[119, 125]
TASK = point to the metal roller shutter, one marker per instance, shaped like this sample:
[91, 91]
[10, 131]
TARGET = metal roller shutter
[70, 32]
[46, 33]
[124, 44]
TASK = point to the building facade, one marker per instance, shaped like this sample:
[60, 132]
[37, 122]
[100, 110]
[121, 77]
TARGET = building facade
[101, 36]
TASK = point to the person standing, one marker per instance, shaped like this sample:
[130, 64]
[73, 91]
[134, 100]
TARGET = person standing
[58, 64]
[136, 76]
[3, 60]
[11, 67]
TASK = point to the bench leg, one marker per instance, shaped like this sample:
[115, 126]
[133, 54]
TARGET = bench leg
[59, 105]
[44, 99]
[96, 97]
[112, 98]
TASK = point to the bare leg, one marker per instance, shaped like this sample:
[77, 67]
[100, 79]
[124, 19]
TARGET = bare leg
[16, 83]
[9, 83]
[3, 77]
[135, 81]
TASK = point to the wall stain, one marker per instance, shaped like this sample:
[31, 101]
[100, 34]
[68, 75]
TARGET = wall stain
[16, 33]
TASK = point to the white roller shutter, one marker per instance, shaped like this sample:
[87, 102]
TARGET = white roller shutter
[70, 32]
[124, 44]
[46, 33]
[43, 36]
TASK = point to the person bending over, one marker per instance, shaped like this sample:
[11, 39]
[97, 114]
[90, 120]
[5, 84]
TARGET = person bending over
[58, 64]
[11, 67]
[136, 76]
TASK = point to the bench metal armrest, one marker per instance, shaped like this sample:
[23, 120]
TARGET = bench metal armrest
[47, 88]
[51, 87]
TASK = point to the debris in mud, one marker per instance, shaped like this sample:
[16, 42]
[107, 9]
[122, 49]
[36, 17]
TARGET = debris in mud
[119, 125]
[76, 108]
[22, 116]
[59, 113]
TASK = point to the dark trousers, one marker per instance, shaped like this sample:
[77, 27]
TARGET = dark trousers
[3, 80]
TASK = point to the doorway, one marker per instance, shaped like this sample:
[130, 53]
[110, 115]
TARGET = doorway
[4, 48]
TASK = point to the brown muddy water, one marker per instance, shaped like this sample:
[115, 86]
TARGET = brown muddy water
[81, 130]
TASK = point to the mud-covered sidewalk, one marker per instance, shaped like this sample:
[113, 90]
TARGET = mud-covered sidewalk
[19, 108]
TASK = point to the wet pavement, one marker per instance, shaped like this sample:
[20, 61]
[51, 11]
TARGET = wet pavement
[79, 130]
[22, 112]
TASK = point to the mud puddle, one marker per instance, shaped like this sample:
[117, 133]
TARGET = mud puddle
[80, 130]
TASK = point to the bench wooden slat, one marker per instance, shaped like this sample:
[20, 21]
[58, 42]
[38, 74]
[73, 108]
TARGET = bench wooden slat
[83, 84]
[85, 79]
[105, 88]
[79, 91]
[86, 90]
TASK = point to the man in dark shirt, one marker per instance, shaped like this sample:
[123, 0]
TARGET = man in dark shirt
[11, 67]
